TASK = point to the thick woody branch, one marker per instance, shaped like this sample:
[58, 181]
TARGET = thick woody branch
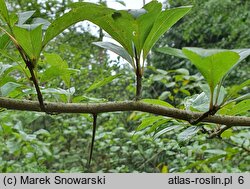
[95, 108]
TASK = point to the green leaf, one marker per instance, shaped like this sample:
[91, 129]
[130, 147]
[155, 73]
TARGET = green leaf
[172, 52]
[115, 148]
[42, 132]
[188, 133]
[46, 150]
[221, 96]
[157, 124]
[227, 133]
[226, 108]
[243, 53]
[98, 14]
[24, 16]
[27, 137]
[165, 130]
[35, 23]
[4, 12]
[103, 82]
[40, 21]
[4, 41]
[4, 68]
[30, 41]
[87, 99]
[55, 60]
[30, 27]
[233, 90]
[157, 102]
[240, 98]
[13, 146]
[213, 64]
[120, 25]
[240, 108]
[216, 151]
[14, 59]
[54, 72]
[6, 129]
[116, 49]
[238, 140]
[147, 122]
[58, 68]
[182, 71]
[13, 19]
[144, 23]
[229, 105]
[164, 21]
[164, 95]
[6, 89]
[5, 54]
[198, 102]
[67, 94]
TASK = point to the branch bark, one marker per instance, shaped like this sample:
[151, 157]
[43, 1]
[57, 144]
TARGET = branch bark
[138, 76]
[38, 91]
[95, 108]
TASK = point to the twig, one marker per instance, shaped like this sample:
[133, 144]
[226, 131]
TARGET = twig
[205, 115]
[218, 132]
[138, 86]
[242, 146]
[38, 91]
[138, 76]
[93, 139]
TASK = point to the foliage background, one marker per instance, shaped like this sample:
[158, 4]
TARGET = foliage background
[35, 142]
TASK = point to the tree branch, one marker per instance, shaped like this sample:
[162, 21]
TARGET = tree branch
[211, 111]
[138, 77]
[38, 91]
[93, 139]
[138, 85]
[95, 108]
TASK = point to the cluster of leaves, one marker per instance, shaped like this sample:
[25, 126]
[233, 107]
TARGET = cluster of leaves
[215, 65]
